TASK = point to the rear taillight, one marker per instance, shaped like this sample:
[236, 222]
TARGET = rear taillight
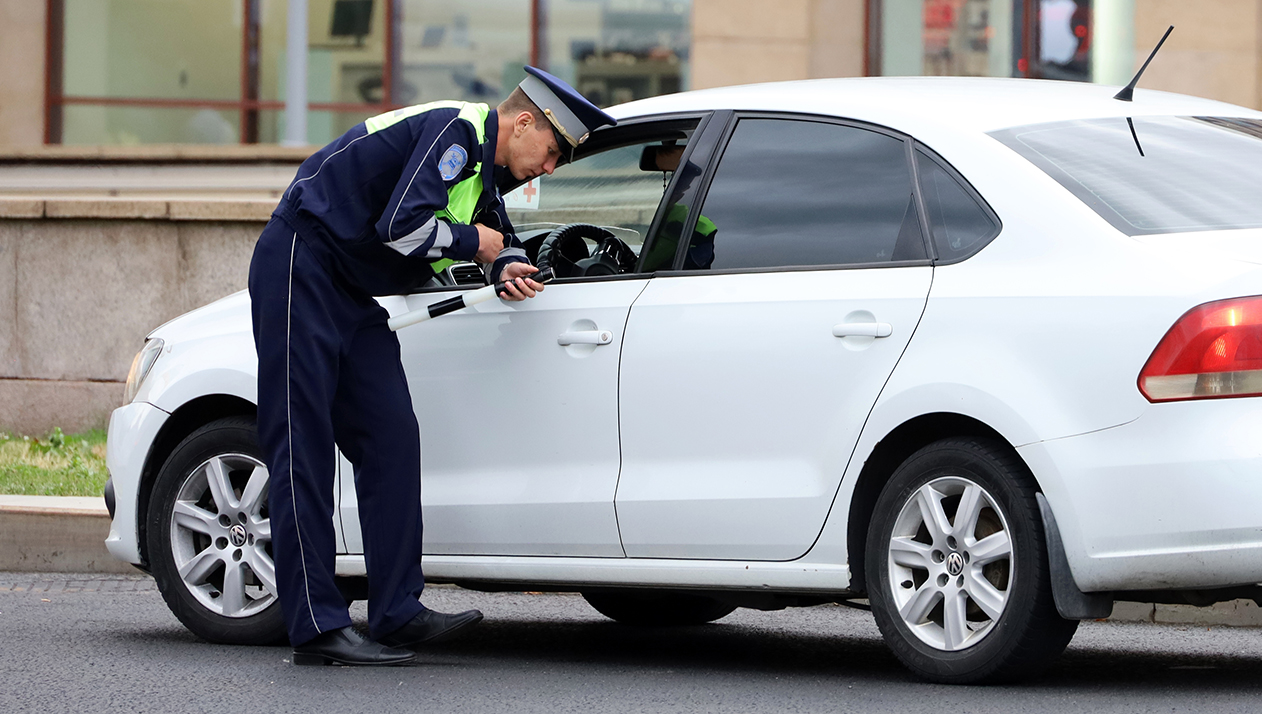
[1213, 351]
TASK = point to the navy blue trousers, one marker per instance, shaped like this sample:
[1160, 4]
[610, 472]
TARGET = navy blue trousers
[330, 372]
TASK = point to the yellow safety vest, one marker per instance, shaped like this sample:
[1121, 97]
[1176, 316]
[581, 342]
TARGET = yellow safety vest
[462, 199]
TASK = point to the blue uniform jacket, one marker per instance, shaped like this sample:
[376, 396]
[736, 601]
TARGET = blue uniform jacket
[367, 201]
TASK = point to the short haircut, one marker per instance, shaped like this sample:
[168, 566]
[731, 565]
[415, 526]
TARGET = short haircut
[518, 102]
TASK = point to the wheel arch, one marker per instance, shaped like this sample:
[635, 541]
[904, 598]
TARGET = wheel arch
[886, 456]
[186, 419]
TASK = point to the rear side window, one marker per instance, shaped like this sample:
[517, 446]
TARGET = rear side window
[959, 224]
[1172, 175]
[803, 193]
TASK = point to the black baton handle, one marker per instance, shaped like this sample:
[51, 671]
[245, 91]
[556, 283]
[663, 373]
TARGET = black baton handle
[545, 275]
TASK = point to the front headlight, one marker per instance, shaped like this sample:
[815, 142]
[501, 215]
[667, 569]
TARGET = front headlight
[140, 367]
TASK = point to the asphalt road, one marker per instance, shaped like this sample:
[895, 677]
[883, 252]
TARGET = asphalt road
[108, 643]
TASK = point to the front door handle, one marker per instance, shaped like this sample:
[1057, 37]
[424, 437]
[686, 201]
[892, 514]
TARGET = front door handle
[863, 329]
[585, 337]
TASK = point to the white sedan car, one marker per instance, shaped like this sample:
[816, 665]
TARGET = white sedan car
[983, 354]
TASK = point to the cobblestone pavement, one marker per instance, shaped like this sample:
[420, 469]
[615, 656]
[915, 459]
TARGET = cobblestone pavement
[75, 583]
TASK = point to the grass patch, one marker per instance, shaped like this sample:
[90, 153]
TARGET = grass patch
[55, 465]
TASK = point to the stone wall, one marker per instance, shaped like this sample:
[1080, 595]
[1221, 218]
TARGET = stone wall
[83, 281]
[747, 41]
[1214, 52]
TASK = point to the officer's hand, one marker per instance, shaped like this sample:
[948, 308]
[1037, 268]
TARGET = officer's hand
[517, 286]
[490, 243]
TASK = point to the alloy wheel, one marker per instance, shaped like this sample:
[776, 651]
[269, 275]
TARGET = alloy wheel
[951, 565]
[221, 536]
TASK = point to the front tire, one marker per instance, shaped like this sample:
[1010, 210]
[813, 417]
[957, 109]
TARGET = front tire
[210, 539]
[957, 566]
[657, 608]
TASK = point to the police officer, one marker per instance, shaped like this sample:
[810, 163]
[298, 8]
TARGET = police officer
[367, 215]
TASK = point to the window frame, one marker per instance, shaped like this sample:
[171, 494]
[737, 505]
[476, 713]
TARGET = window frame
[717, 126]
[707, 179]
[247, 105]
[606, 139]
[614, 137]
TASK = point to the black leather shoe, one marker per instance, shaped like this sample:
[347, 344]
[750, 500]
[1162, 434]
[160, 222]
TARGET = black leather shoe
[430, 628]
[348, 647]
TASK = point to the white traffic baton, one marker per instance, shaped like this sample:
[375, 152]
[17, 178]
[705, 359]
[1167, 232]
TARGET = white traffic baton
[459, 302]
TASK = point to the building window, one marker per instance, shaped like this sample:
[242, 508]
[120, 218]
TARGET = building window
[1051, 39]
[1064, 40]
[213, 71]
[616, 51]
[468, 50]
[208, 71]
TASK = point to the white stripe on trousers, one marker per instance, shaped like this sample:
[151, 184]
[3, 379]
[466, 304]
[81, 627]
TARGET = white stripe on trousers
[289, 426]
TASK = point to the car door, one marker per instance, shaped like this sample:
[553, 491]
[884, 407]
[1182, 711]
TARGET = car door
[748, 371]
[517, 406]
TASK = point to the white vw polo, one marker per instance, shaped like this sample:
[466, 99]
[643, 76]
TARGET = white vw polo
[985, 354]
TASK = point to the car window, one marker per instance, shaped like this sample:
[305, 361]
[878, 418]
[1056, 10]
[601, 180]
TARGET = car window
[804, 193]
[960, 225]
[609, 189]
[684, 189]
[1154, 174]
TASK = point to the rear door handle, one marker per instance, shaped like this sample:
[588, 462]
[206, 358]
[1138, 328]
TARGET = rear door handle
[585, 337]
[863, 329]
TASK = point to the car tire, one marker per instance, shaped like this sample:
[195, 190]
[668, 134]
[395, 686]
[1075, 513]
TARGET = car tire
[657, 608]
[957, 569]
[209, 536]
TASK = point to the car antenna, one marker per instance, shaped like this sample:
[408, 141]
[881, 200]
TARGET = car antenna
[1134, 136]
[1127, 93]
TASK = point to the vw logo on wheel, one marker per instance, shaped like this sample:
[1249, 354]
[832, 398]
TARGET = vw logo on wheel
[236, 534]
[955, 564]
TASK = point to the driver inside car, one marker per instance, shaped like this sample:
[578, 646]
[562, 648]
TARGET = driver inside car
[700, 255]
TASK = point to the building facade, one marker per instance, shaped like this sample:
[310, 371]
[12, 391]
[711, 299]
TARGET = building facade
[93, 72]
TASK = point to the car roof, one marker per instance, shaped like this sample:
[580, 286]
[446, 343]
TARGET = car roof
[914, 104]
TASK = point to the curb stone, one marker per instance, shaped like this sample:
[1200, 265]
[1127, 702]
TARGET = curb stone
[53, 534]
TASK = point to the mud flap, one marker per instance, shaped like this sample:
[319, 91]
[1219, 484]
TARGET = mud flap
[1071, 603]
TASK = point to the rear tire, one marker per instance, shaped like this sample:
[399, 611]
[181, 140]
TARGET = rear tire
[209, 536]
[957, 566]
[653, 608]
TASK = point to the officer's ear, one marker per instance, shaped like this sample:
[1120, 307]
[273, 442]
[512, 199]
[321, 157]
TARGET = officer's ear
[523, 122]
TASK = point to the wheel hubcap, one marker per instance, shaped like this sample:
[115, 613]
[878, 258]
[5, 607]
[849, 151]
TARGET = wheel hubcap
[950, 563]
[221, 536]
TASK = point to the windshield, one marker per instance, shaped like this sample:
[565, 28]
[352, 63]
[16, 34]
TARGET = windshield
[1173, 175]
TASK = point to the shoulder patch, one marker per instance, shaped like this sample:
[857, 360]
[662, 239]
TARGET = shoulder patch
[452, 162]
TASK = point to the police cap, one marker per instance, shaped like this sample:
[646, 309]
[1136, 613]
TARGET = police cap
[573, 117]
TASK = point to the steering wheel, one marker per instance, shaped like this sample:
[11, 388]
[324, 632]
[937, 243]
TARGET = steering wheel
[565, 251]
